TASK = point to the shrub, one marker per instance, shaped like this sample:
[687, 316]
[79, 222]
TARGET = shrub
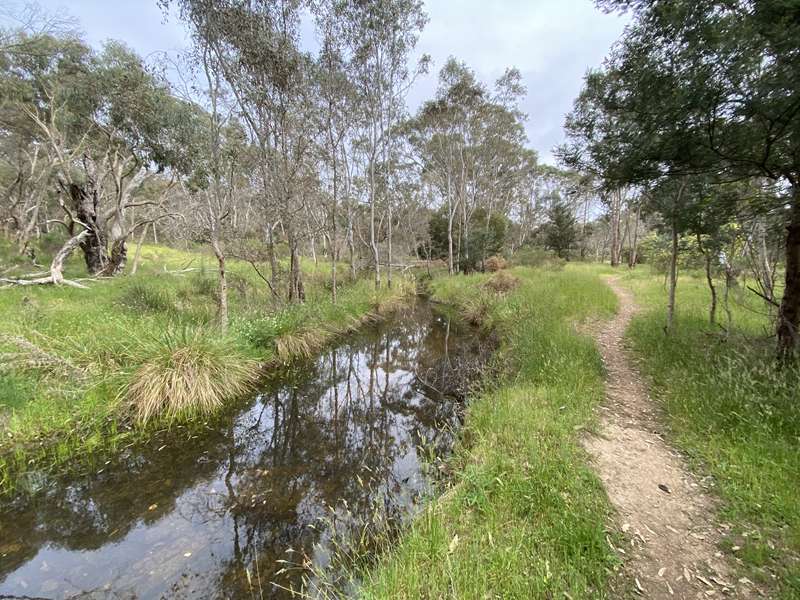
[502, 282]
[495, 263]
[187, 373]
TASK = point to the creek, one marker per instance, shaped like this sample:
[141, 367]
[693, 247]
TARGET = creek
[214, 510]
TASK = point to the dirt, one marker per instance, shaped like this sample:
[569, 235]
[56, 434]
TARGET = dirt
[666, 515]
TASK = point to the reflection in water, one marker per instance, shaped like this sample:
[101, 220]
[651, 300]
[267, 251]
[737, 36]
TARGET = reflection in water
[207, 514]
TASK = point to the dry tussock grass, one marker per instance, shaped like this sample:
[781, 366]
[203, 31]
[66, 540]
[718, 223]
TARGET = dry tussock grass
[493, 264]
[187, 374]
[502, 282]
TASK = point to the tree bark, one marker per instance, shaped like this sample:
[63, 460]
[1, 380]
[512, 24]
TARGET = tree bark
[712, 311]
[789, 312]
[635, 237]
[673, 279]
[222, 301]
[296, 291]
[84, 205]
[138, 253]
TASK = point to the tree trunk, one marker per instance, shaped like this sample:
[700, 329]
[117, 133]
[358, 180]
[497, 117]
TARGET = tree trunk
[334, 202]
[273, 261]
[296, 291]
[118, 259]
[614, 223]
[376, 259]
[138, 251]
[450, 214]
[673, 278]
[789, 312]
[712, 311]
[635, 239]
[222, 301]
[93, 245]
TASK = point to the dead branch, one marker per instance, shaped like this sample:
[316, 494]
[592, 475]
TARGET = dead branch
[760, 295]
[56, 276]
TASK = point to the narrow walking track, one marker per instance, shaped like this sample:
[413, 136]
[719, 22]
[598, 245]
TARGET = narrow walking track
[666, 515]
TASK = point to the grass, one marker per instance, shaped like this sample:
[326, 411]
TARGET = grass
[523, 516]
[736, 414]
[186, 375]
[82, 369]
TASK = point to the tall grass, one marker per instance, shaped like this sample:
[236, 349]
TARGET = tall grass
[524, 516]
[735, 412]
[187, 373]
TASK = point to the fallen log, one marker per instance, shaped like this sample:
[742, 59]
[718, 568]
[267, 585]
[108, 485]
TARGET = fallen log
[56, 276]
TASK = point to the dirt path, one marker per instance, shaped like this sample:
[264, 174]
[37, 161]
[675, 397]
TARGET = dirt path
[666, 515]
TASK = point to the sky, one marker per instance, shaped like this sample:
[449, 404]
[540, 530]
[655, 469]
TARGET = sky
[551, 42]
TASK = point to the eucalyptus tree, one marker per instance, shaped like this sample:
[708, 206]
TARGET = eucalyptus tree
[469, 144]
[101, 125]
[337, 111]
[255, 47]
[381, 35]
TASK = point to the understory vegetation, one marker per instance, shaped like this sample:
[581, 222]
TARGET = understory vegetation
[734, 412]
[523, 516]
[84, 370]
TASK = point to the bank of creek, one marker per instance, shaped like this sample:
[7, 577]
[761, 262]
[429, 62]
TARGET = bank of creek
[210, 513]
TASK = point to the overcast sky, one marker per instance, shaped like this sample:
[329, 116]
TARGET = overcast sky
[552, 42]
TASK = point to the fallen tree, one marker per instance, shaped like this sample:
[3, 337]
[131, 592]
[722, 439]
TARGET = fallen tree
[56, 276]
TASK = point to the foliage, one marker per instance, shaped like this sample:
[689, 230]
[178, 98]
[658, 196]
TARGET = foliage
[561, 231]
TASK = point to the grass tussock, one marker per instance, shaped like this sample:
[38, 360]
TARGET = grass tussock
[187, 374]
[495, 263]
[523, 516]
[502, 282]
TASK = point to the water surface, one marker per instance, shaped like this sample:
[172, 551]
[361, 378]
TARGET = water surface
[209, 513]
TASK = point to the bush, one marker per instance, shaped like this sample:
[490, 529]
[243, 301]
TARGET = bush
[495, 263]
[187, 373]
[502, 282]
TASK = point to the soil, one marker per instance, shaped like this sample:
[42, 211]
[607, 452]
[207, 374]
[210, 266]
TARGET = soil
[666, 515]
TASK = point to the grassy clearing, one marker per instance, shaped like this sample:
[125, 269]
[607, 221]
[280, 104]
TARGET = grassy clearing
[75, 362]
[523, 516]
[734, 412]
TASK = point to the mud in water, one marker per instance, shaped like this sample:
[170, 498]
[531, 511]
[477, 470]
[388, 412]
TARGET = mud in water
[208, 513]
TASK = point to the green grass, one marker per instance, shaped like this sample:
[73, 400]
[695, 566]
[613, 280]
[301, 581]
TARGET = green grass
[70, 355]
[734, 412]
[523, 516]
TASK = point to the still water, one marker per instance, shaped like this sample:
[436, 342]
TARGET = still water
[208, 513]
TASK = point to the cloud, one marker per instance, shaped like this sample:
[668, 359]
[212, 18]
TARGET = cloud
[552, 42]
